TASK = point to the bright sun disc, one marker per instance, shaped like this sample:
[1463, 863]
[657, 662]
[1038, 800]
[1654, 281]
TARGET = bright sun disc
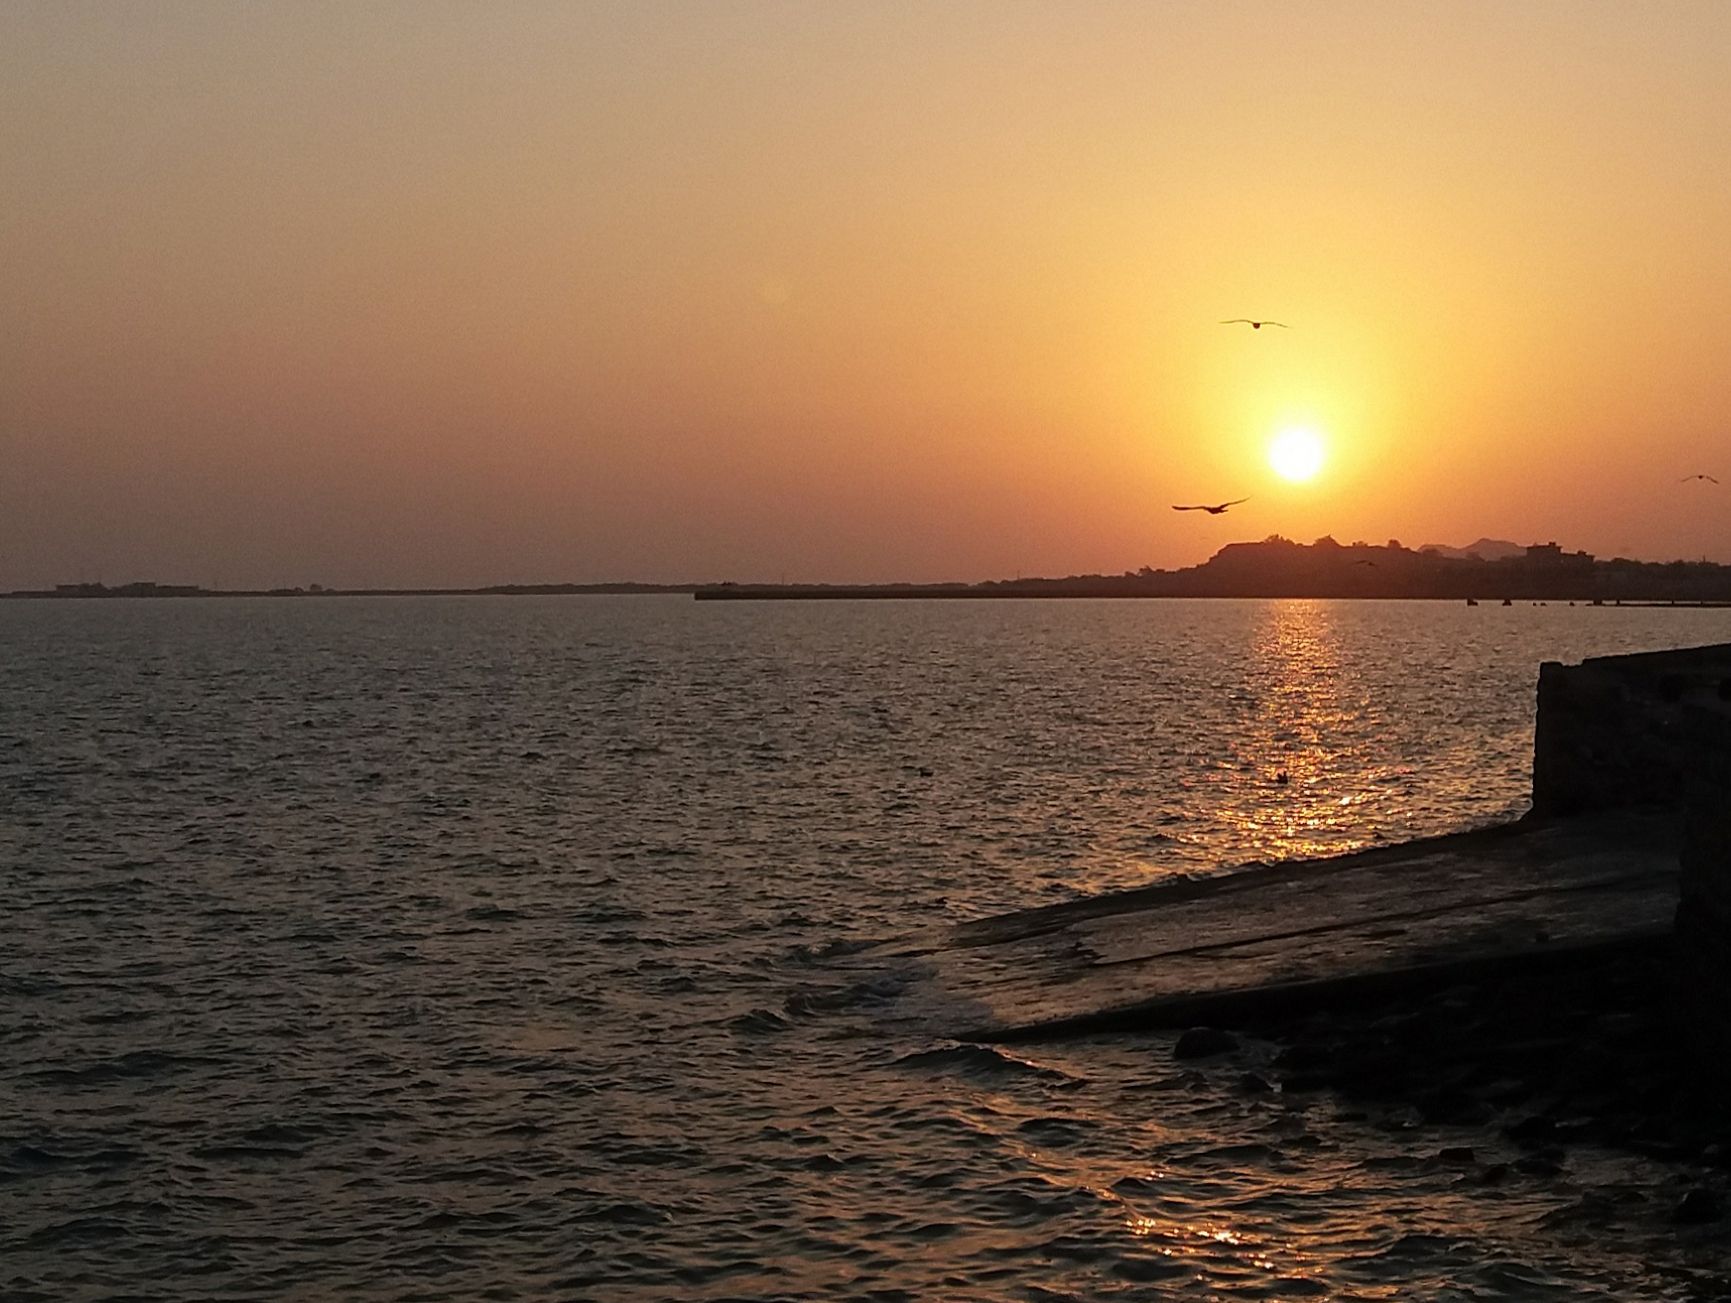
[1295, 454]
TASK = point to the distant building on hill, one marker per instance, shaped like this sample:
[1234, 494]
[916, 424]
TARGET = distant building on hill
[1552, 554]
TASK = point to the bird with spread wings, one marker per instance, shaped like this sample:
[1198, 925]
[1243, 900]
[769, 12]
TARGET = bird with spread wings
[1214, 510]
[1254, 325]
[1706, 477]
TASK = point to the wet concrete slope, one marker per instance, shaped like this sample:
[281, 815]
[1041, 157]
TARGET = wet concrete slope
[1268, 938]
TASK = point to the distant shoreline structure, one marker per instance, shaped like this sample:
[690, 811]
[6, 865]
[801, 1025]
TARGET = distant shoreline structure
[1489, 571]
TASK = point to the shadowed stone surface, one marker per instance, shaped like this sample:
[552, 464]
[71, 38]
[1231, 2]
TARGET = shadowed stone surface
[1622, 731]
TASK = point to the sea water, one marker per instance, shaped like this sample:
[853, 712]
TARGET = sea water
[474, 948]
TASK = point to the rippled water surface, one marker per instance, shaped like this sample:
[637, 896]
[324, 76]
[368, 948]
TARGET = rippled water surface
[473, 948]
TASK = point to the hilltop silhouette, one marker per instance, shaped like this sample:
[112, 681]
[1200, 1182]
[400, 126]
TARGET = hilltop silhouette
[1485, 549]
[1279, 567]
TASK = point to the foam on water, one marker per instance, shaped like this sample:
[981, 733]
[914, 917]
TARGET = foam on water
[469, 948]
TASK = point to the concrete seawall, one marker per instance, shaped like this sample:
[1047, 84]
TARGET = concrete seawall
[1618, 732]
[1653, 731]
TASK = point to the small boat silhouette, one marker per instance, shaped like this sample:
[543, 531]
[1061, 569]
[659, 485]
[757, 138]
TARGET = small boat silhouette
[1472, 601]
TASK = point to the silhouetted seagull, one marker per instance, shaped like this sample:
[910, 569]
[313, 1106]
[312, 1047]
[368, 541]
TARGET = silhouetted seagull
[1254, 325]
[1216, 509]
[1687, 478]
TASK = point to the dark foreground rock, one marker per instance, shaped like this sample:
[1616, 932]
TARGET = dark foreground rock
[1203, 1043]
[1605, 1052]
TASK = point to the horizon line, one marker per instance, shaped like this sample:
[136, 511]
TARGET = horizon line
[158, 588]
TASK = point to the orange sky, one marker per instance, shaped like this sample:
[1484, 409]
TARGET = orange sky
[432, 293]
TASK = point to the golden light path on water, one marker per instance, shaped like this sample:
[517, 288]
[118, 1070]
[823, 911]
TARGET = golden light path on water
[1301, 727]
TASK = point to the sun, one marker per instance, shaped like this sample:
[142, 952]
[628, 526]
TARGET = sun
[1296, 454]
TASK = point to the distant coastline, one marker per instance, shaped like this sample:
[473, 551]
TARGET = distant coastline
[1279, 567]
[1489, 571]
[146, 589]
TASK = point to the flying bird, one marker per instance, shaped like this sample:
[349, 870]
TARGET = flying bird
[1254, 325]
[1687, 478]
[1215, 510]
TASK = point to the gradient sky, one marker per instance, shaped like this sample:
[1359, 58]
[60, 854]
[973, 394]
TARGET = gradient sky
[432, 293]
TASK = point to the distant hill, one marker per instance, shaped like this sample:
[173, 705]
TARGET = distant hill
[1486, 549]
[1279, 567]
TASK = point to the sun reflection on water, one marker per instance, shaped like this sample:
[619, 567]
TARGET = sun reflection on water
[1306, 728]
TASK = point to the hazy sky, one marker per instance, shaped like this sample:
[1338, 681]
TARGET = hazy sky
[420, 293]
